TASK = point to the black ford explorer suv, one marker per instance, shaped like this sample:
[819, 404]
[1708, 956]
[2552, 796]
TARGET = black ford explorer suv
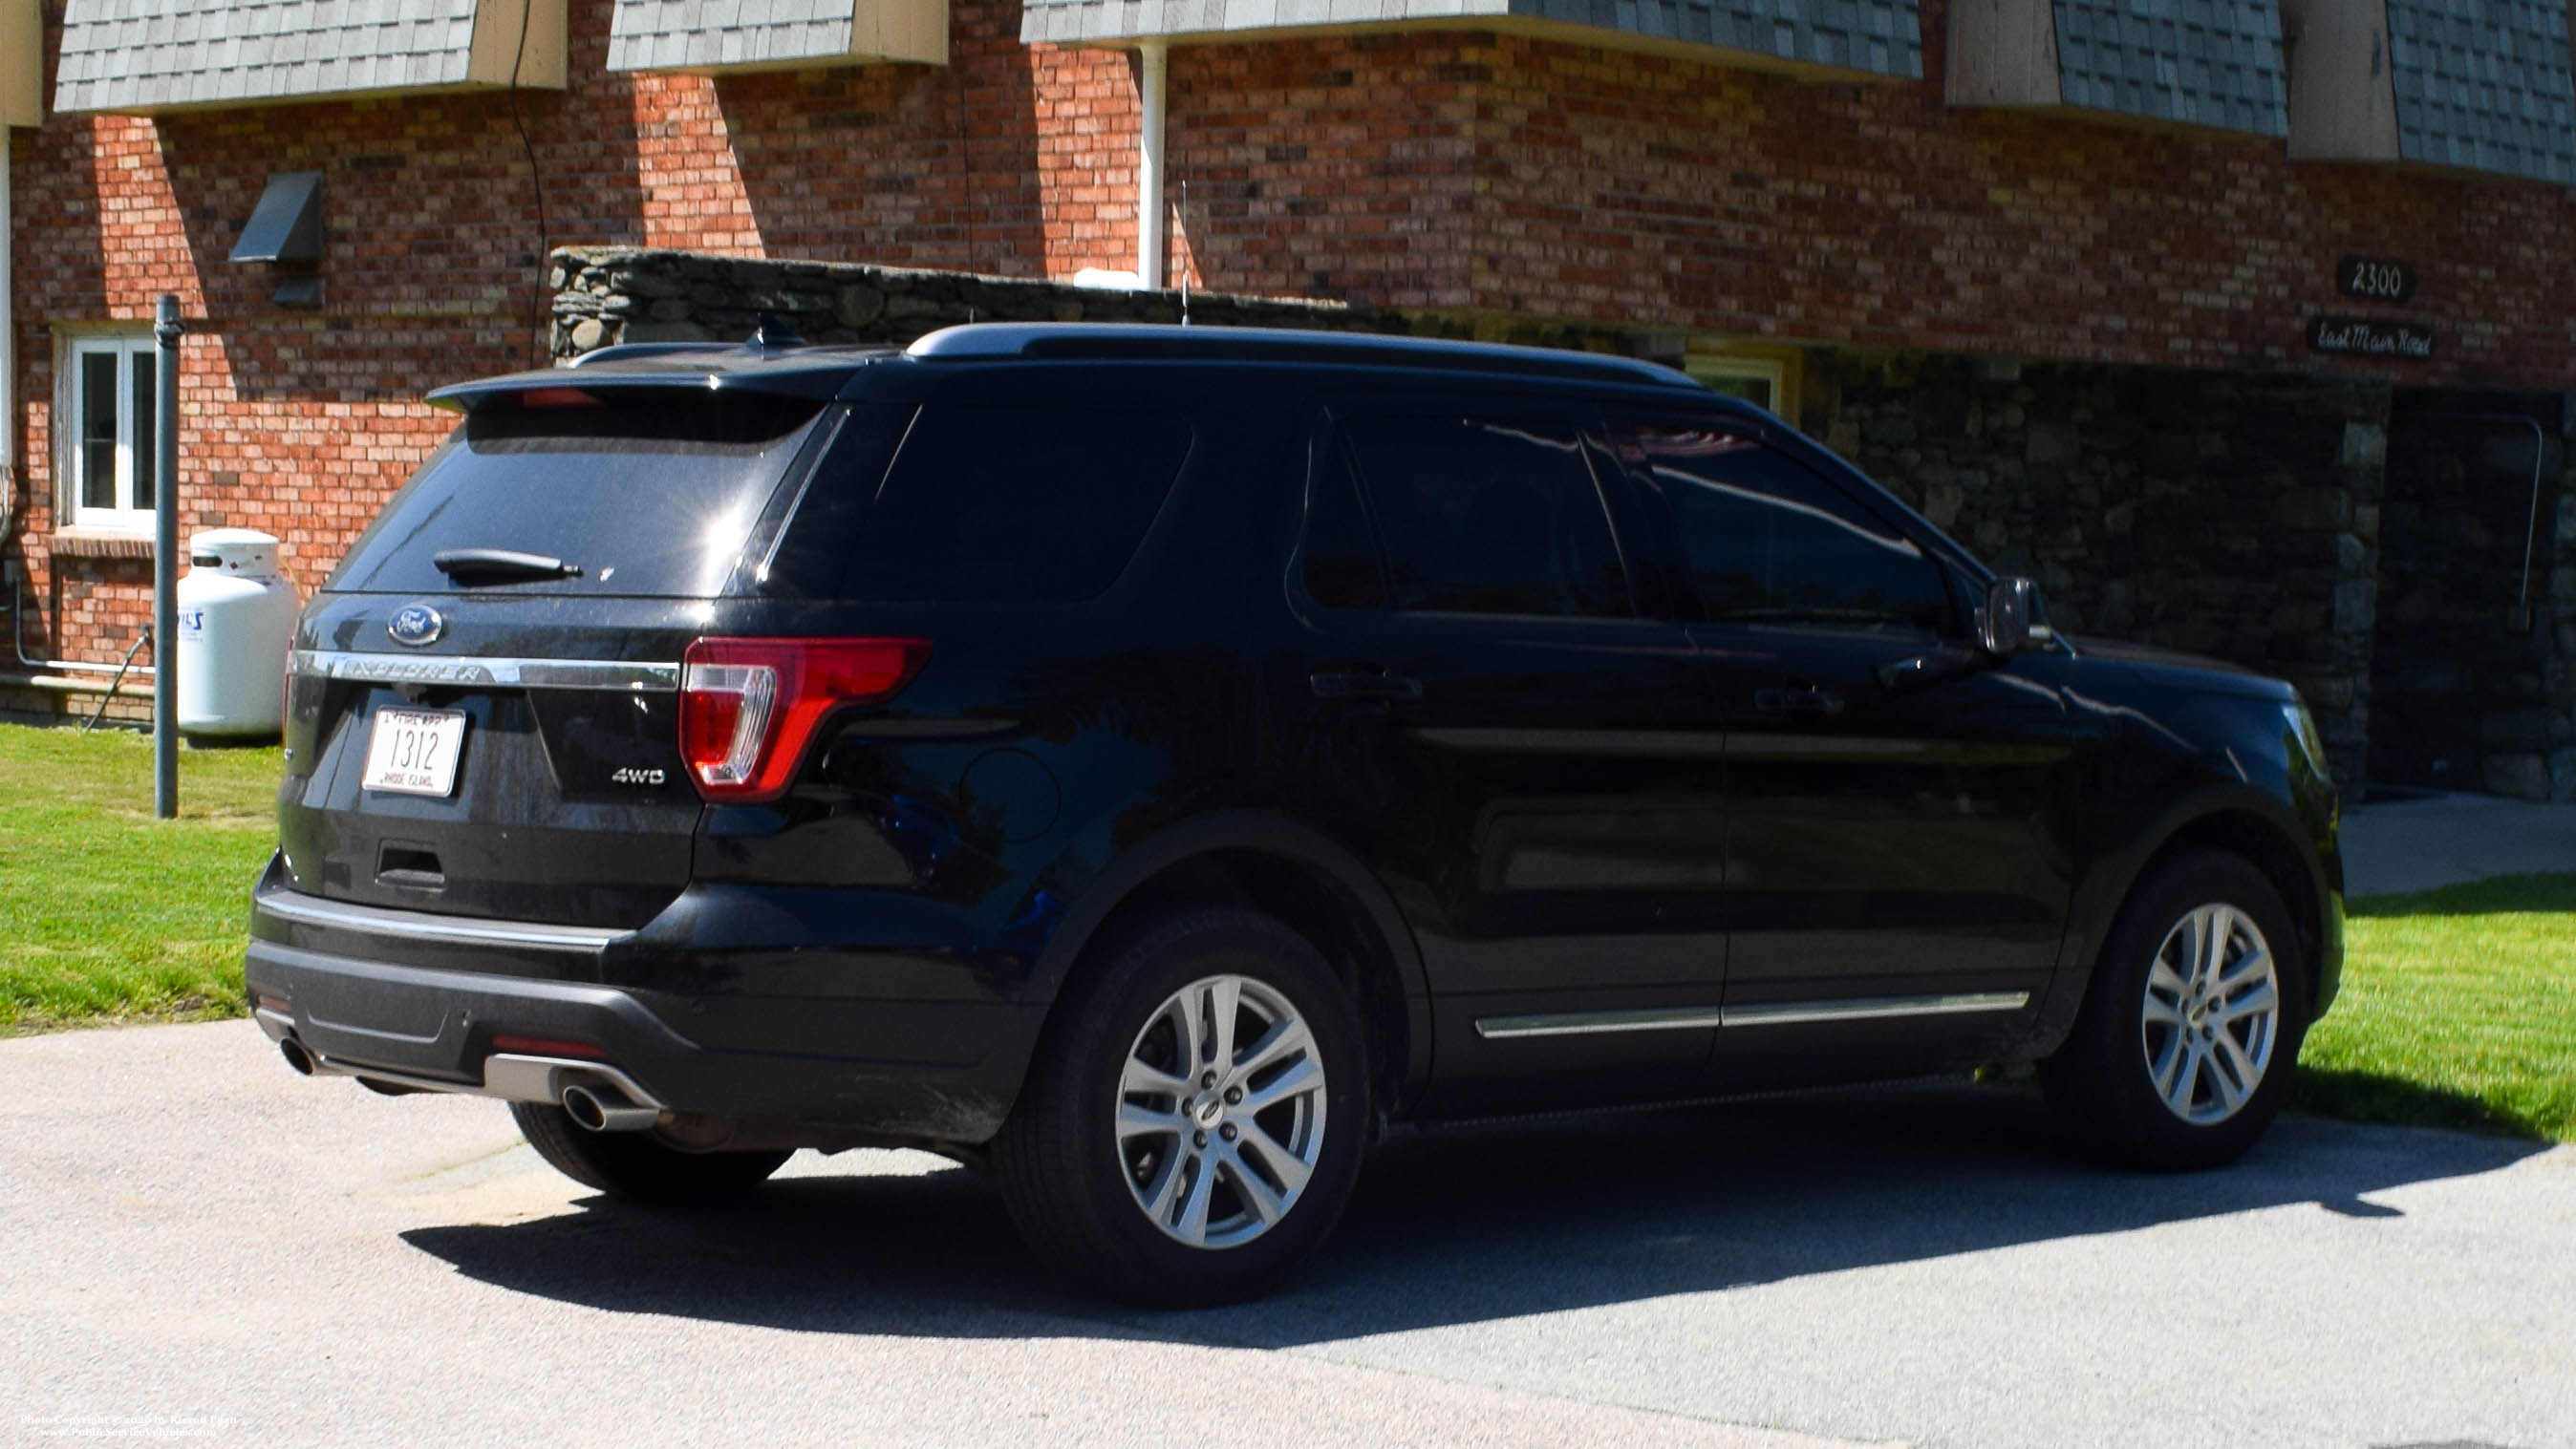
[1151, 761]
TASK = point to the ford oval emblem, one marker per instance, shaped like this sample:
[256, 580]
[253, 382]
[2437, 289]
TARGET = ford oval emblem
[416, 625]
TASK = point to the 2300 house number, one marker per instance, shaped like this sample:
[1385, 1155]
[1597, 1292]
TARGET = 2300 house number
[2380, 281]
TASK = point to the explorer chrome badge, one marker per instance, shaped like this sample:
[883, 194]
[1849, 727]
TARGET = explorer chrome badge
[416, 625]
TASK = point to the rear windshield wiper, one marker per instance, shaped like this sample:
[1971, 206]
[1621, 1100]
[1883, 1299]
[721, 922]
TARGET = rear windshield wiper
[500, 565]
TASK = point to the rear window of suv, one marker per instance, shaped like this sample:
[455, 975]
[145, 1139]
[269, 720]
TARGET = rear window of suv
[650, 492]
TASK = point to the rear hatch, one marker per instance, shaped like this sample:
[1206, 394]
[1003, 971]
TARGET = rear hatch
[483, 701]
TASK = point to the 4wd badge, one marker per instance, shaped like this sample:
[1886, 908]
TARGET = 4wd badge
[633, 775]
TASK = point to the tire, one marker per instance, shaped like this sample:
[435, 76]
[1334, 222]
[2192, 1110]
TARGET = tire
[1140, 1172]
[2169, 1067]
[636, 1165]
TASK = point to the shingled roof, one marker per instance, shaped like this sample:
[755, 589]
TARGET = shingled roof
[147, 55]
[2484, 85]
[2213, 63]
[716, 35]
[694, 34]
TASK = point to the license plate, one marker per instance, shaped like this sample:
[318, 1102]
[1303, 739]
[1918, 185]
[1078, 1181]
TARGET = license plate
[413, 751]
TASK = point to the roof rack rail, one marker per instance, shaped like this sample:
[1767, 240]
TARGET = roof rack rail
[1152, 341]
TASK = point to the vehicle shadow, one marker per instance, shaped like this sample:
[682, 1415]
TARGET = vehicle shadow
[1464, 1225]
[2365, 1096]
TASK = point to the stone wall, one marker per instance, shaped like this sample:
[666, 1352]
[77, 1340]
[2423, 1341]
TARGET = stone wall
[2556, 623]
[2471, 683]
[2233, 514]
[610, 295]
[2228, 514]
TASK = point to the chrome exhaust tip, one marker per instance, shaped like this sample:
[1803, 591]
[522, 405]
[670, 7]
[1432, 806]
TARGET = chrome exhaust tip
[296, 1056]
[603, 1109]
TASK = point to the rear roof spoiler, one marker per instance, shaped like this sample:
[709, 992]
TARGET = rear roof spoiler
[809, 372]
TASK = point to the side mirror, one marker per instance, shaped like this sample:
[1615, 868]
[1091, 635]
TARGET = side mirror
[2003, 620]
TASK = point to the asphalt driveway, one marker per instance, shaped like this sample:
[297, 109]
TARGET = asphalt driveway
[202, 1247]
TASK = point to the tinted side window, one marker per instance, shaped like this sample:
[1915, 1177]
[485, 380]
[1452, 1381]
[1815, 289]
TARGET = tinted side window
[1488, 515]
[1771, 543]
[1341, 563]
[1014, 504]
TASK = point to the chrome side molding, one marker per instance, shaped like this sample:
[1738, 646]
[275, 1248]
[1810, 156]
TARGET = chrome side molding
[1798, 1013]
[1783, 1013]
[486, 670]
[1589, 1023]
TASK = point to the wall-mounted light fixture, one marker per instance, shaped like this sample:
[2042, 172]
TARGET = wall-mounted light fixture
[285, 231]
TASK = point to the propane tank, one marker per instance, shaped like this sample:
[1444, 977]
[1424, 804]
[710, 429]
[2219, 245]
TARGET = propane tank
[236, 614]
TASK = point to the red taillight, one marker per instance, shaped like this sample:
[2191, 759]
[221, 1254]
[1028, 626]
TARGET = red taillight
[748, 707]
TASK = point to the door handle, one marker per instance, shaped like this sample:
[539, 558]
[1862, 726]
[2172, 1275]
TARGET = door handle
[1804, 700]
[1365, 686]
[1922, 670]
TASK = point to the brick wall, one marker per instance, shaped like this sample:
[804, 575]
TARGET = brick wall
[1341, 168]
[301, 423]
[1664, 192]
[1010, 161]
[1531, 189]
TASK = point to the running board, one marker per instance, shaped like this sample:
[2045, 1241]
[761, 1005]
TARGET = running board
[1781, 1013]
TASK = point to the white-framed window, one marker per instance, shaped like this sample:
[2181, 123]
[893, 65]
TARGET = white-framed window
[1761, 381]
[108, 394]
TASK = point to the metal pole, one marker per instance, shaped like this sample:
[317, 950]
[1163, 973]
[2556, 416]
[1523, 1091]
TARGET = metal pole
[2520, 619]
[1154, 63]
[165, 562]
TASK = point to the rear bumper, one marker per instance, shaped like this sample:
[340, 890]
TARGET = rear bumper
[417, 998]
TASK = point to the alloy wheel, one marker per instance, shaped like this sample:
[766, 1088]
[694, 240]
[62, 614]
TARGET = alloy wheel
[1220, 1112]
[2212, 1014]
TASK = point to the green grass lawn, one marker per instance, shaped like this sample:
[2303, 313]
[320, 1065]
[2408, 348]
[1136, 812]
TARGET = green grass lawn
[2458, 1010]
[107, 914]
